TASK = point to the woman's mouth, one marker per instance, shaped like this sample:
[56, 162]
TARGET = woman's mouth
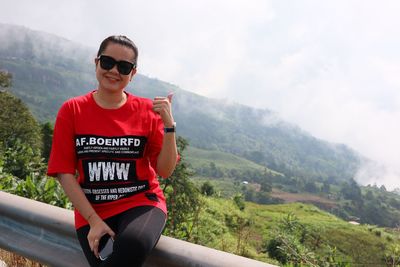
[112, 78]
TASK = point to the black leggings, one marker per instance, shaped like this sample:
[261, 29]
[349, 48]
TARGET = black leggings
[137, 231]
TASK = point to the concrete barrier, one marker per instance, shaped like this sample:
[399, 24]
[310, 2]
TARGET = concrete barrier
[46, 234]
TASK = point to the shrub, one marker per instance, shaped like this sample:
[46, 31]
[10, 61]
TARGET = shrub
[207, 189]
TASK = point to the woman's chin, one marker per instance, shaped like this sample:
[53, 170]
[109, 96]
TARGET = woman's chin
[111, 87]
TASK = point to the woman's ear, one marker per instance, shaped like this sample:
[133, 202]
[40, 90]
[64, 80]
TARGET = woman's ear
[133, 72]
[96, 60]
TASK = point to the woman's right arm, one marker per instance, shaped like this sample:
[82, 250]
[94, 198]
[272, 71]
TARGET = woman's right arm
[98, 227]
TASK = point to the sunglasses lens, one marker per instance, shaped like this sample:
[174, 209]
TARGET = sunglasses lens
[124, 67]
[107, 63]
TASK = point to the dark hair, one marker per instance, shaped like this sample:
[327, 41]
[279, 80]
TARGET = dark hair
[118, 39]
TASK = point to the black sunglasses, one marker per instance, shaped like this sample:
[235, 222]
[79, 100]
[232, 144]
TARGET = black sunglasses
[124, 67]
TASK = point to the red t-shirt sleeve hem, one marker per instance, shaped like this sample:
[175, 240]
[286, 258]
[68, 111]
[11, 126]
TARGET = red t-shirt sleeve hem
[53, 173]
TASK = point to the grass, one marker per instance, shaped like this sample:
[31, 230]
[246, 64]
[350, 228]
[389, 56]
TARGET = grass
[361, 245]
[219, 229]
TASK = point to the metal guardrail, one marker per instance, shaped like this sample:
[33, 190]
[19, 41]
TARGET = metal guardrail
[46, 234]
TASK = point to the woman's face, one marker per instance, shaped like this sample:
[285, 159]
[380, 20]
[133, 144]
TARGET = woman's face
[111, 80]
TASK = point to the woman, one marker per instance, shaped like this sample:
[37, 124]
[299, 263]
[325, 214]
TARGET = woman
[117, 143]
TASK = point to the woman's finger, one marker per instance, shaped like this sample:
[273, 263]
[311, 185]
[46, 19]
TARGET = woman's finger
[91, 245]
[160, 107]
[170, 95]
[111, 233]
[96, 247]
[163, 101]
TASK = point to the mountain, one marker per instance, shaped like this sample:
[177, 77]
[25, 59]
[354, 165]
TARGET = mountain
[48, 69]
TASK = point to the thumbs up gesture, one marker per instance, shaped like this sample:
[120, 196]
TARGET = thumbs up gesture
[162, 106]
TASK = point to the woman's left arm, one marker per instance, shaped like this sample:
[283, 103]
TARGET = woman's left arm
[166, 160]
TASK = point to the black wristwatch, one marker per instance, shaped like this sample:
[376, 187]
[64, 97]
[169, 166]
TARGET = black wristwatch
[170, 129]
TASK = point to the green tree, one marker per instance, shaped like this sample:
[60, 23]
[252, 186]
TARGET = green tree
[266, 185]
[238, 199]
[351, 190]
[326, 188]
[263, 198]
[5, 79]
[311, 187]
[249, 194]
[183, 199]
[287, 248]
[207, 189]
[215, 171]
[21, 160]
[17, 122]
[19, 134]
[241, 226]
[47, 138]
[392, 255]
[20, 137]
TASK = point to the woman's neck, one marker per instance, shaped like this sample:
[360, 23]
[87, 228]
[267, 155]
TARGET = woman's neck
[110, 100]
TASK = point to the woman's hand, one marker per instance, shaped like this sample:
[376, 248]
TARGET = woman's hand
[162, 105]
[166, 160]
[98, 228]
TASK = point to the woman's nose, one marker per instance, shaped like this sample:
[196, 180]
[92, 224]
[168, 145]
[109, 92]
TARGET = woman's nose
[114, 69]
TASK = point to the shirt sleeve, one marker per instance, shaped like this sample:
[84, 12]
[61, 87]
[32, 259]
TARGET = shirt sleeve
[63, 157]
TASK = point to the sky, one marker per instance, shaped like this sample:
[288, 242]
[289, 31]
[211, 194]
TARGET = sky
[330, 67]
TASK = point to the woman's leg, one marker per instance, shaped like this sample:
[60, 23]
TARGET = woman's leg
[139, 230]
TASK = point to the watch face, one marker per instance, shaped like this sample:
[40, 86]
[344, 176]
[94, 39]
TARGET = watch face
[169, 130]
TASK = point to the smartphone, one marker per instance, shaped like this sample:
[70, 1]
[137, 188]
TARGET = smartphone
[105, 247]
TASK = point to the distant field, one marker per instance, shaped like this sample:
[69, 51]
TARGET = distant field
[304, 198]
[198, 157]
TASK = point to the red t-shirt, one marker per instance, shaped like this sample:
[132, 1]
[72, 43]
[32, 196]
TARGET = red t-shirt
[114, 151]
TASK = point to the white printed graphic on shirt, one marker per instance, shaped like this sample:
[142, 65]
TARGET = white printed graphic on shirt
[110, 147]
[109, 166]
